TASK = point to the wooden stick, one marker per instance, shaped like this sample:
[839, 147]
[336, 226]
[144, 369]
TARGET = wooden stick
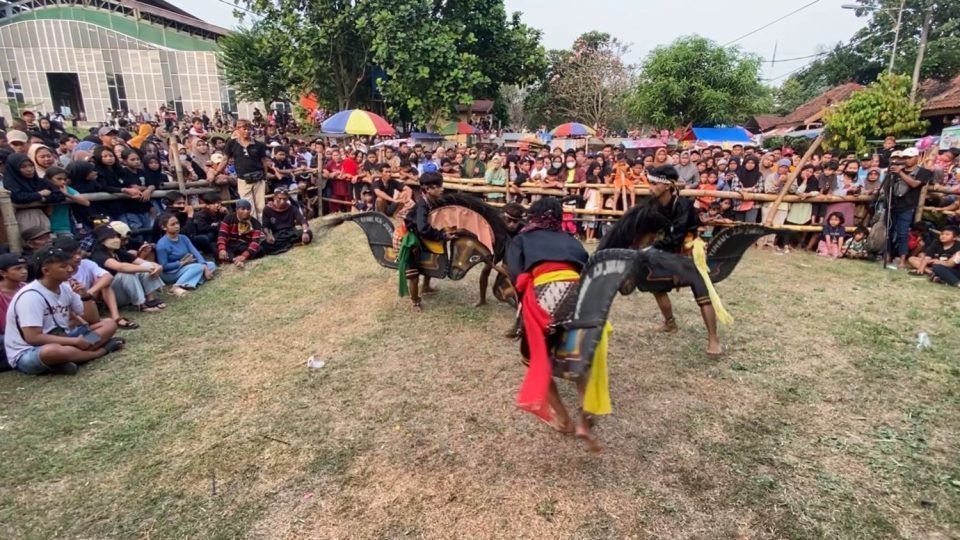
[10, 224]
[791, 178]
[926, 159]
[175, 158]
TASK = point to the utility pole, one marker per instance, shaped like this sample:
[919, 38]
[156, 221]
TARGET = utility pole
[924, 32]
[896, 35]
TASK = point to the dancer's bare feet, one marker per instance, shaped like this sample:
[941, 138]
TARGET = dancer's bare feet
[668, 326]
[481, 303]
[584, 433]
[429, 290]
[561, 422]
[417, 307]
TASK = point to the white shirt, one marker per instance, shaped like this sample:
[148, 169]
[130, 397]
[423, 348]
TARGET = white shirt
[88, 272]
[42, 308]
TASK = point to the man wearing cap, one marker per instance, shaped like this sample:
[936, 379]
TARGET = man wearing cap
[108, 136]
[30, 119]
[17, 140]
[241, 236]
[284, 223]
[907, 178]
[45, 332]
[251, 160]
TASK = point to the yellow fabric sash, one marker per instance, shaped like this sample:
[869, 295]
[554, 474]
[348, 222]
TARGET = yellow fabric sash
[559, 275]
[700, 261]
[596, 396]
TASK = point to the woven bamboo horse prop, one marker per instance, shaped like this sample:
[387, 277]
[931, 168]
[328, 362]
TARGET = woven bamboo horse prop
[481, 238]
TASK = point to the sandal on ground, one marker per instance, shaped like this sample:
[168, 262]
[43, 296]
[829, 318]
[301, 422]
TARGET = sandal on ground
[114, 344]
[147, 308]
[155, 304]
[126, 324]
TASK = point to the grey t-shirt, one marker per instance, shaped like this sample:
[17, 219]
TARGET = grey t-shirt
[39, 307]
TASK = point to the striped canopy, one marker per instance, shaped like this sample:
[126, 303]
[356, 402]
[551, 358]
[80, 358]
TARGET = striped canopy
[357, 122]
[572, 129]
[458, 128]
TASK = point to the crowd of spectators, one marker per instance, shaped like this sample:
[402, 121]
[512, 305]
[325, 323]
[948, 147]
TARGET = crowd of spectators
[87, 253]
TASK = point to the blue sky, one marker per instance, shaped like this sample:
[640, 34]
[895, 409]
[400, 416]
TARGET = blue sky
[648, 23]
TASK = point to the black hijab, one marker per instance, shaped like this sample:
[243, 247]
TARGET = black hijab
[748, 178]
[110, 177]
[25, 190]
[154, 178]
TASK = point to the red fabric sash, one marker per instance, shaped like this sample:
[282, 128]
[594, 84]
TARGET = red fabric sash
[532, 396]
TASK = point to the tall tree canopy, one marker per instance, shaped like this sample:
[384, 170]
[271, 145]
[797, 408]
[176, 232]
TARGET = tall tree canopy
[251, 62]
[694, 80]
[586, 83]
[868, 52]
[434, 54]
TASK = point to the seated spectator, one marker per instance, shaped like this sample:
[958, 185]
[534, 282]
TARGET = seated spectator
[34, 239]
[284, 224]
[41, 338]
[366, 202]
[134, 280]
[62, 222]
[136, 210]
[392, 194]
[856, 246]
[183, 265]
[174, 203]
[93, 284]
[13, 276]
[241, 236]
[26, 187]
[831, 240]
[947, 272]
[940, 251]
[204, 227]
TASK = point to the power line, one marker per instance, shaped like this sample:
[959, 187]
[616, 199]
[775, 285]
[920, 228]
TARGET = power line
[778, 60]
[799, 9]
[238, 6]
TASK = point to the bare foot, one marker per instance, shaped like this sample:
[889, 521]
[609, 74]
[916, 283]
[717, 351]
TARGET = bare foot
[417, 307]
[429, 290]
[584, 433]
[562, 425]
[481, 303]
[714, 351]
[667, 327]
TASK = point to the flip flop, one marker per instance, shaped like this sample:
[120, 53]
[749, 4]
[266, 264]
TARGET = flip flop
[126, 324]
[114, 344]
[155, 304]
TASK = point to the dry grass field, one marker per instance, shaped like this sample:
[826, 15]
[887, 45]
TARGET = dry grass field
[823, 420]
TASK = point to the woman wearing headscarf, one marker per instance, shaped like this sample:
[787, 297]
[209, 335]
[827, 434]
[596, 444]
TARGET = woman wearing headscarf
[83, 178]
[42, 158]
[110, 178]
[48, 132]
[145, 131]
[748, 181]
[20, 178]
[773, 183]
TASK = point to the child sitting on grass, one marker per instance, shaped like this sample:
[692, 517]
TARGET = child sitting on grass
[856, 246]
[831, 239]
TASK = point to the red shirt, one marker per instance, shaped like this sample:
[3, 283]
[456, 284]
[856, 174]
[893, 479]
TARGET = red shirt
[350, 167]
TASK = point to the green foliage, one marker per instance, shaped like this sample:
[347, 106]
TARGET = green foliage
[882, 108]
[693, 80]
[799, 144]
[868, 52]
[429, 75]
[250, 59]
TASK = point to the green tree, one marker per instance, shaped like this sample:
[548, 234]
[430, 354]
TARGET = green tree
[694, 80]
[251, 64]
[868, 52]
[883, 108]
[430, 74]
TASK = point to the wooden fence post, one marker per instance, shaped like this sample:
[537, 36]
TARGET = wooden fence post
[791, 178]
[10, 224]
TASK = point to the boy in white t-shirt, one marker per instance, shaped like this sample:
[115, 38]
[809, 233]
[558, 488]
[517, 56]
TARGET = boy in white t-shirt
[44, 329]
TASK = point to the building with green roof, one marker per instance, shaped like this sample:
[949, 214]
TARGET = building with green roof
[87, 58]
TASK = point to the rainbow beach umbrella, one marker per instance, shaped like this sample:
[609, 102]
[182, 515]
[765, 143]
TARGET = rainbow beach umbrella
[572, 129]
[357, 122]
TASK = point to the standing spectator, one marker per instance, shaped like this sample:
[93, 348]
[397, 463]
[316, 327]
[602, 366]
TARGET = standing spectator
[183, 265]
[748, 181]
[496, 176]
[137, 210]
[67, 144]
[689, 174]
[338, 185]
[62, 222]
[251, 161]
[906, 178]
[41, 338]
[241, 236]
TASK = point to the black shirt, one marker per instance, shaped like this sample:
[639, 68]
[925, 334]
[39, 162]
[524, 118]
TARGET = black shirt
[135, 178]
[101, 255]
[683, 219]
[911, 197]
[246, 159]
[276, 220]
[937, 251]
[389, 187]
[529, 249]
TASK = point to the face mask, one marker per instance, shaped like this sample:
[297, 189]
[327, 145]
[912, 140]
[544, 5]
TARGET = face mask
[851, 174]
[557, 164]
[571, 164]
[112, 243]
